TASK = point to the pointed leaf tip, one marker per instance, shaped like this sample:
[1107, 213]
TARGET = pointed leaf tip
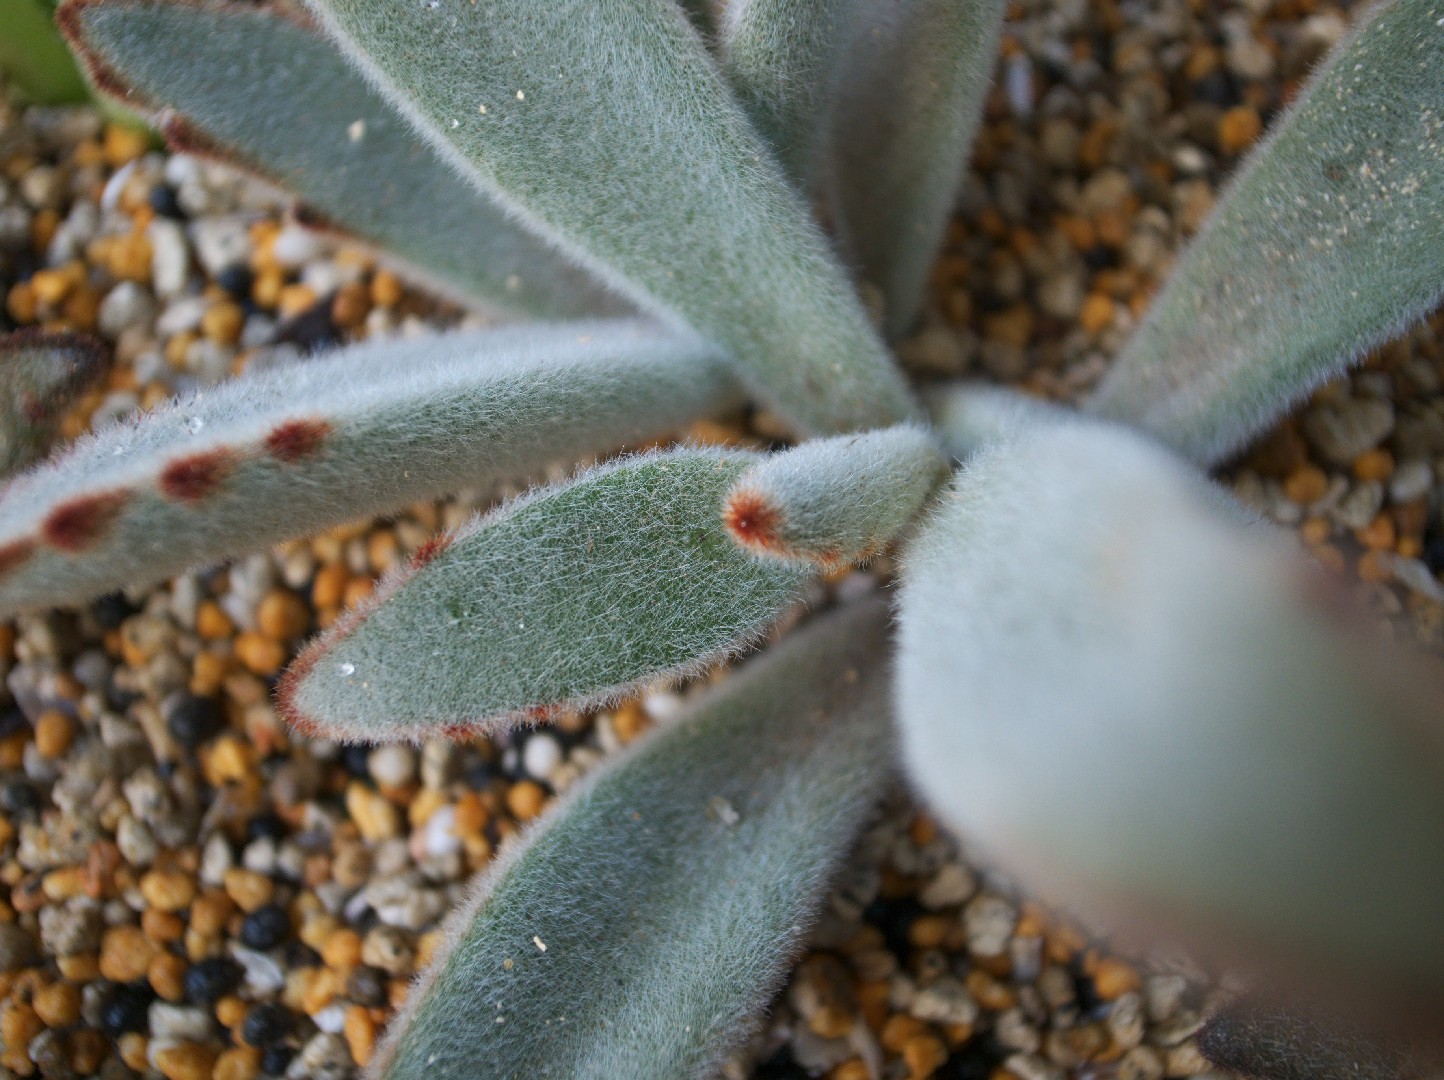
[835, 501]
[641, 925]
[1325, 245]
[573, 595]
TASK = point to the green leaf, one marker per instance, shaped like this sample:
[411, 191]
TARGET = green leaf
[906, 102]
[34, 58]
[320, 131]
[781, 57]
[41, 375]
[642, 925]
[835, 501]
[1256, 1040]
[1326, 244]
[1147, 703]
[574, 595]
[969, 416]
[607, 123]
[297, 448]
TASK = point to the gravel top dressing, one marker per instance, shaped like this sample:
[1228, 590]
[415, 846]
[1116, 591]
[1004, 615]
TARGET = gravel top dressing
[190, 890]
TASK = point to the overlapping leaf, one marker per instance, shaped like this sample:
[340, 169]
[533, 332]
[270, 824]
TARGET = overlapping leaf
[1327, 243]
[640, 926]
[286, 451]
[607, 123]
[320, 131]
[573, 595]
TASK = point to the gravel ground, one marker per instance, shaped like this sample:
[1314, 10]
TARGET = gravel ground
[192, 892]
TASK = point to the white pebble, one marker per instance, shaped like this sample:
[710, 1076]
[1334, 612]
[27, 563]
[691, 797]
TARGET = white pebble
[170, 256]
[392, 765]
[541, 756]
[295, 246]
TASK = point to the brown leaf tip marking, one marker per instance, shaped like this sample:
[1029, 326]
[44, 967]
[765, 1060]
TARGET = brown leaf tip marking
[195, 476]
[295, 440]
[429, 550]
[69, 17]
[73, 526]
[753, 520]
[14, 553]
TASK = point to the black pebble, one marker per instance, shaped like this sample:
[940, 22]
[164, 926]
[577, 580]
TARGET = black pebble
[18, 797]
[193, 720]
[266, 927]
[236, 279]
[207, 981]
[781, 1066]
[111, 610]
[312, 329]
[276, 1059]
[894, 918]
[367, 986]
[266, 1024]
[127, 1009]
[1434, 552]
[267, 825]
[354, 757]
[298, 955]
[163, 202]
[1217, 88]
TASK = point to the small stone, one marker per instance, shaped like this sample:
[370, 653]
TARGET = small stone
[324, 1057]
[193, 720]
[169, 256]
[1238, 128]
[266, 1023]
[17, 947]
[988, 921]
[126, 305]
[58, 1004]
[70, 929]
[126, 1009]
[207, 981]
[376, 818]
[295, 246]
[524, 799]
[1249, 58]
[1412, 480]
[168, 890]
[186, 1061]
[249, 889]
[125, 954]
[388, 949]
[393, 765]
[541, 755]
[944, 1001]
[1343, 430]
[266, 927]
[221, 242]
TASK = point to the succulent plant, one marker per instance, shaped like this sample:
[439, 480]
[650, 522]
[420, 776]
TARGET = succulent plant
[1105, 671]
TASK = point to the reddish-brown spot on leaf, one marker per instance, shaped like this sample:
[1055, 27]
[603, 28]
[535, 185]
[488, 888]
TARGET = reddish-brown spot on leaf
[753, 520]
[429, 550]
[192, 478]
[459, 732]
[15, 553]
[75, 525]
[295, 440]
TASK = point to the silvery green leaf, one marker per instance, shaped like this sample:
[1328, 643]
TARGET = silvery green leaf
[1327, 243]
[321, 132]
[641, 925]
[574, 596]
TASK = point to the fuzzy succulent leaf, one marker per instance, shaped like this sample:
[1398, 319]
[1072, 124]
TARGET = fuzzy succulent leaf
[1259, 1041]
[607, 123]
[637, 930]
[781, 57]
[364, 430]
[41, 375]
[835, 501]
[1327, 243]
[571, 596]
[1144, 700]
[968, 416]
[906, 101]
[323, 133]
